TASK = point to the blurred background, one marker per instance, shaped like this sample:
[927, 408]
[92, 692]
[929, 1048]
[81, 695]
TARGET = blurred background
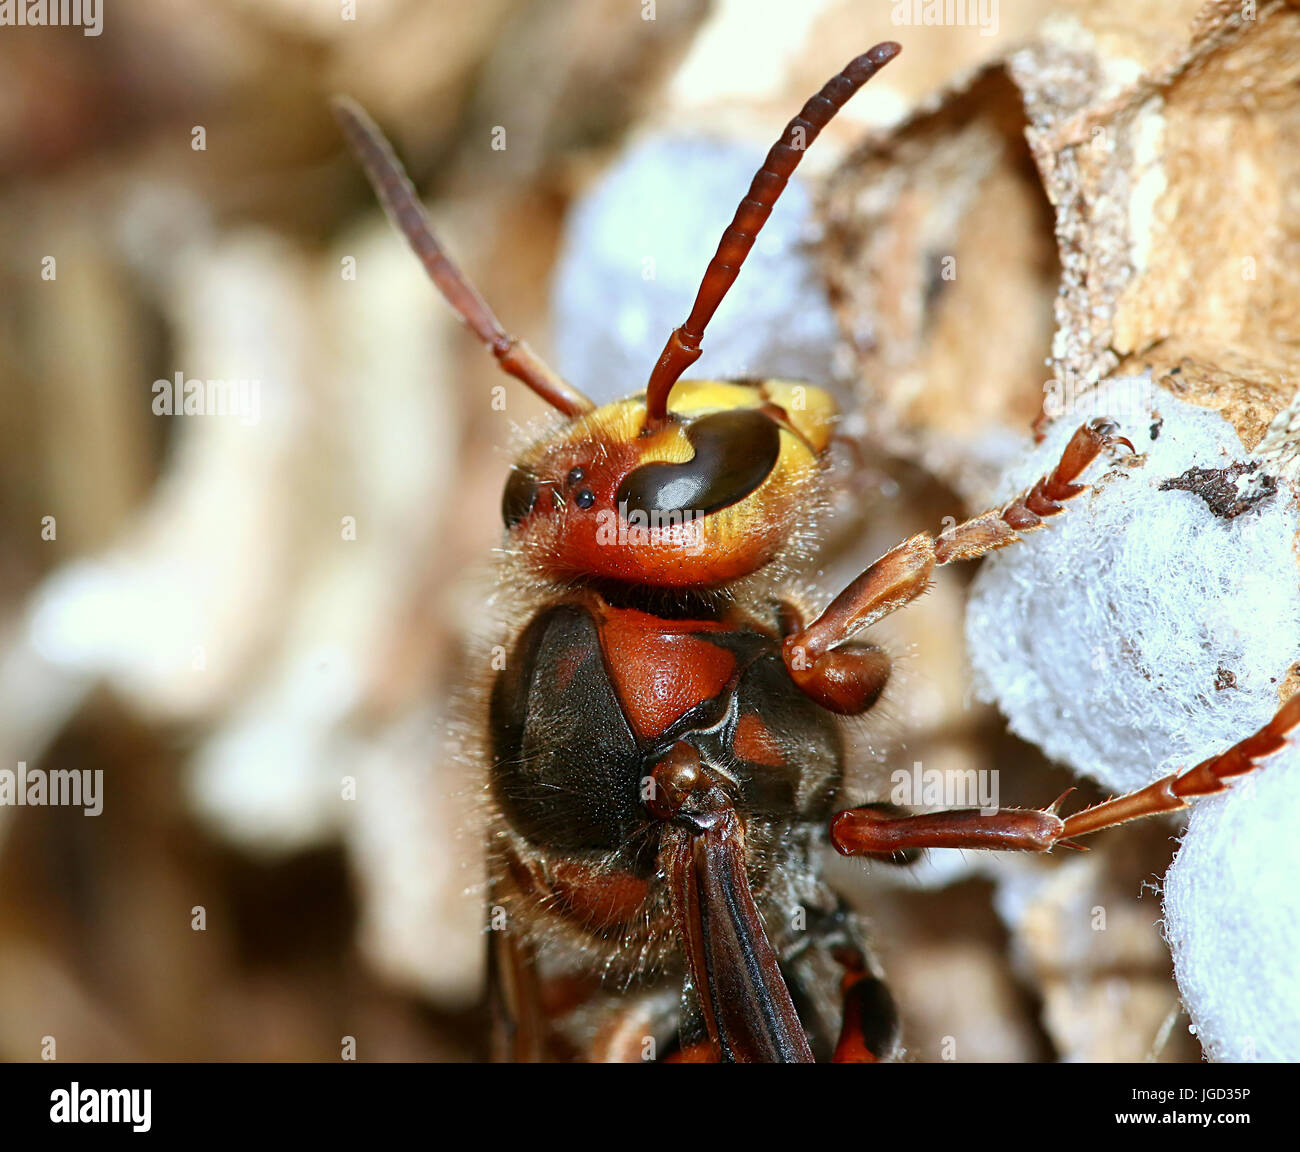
[257, 626]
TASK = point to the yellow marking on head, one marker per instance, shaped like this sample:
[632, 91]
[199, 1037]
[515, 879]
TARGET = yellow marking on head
[810, 409]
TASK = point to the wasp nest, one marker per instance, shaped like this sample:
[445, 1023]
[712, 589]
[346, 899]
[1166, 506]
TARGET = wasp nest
[1122, 194]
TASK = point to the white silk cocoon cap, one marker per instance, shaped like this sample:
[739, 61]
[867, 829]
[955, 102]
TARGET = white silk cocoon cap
[1138, 634]
[1232, 917]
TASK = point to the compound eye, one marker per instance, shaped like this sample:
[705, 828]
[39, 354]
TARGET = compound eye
[519, 497]
[734, 453]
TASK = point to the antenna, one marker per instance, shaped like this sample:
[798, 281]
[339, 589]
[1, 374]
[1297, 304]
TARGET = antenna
[683, 346]
[397, 195]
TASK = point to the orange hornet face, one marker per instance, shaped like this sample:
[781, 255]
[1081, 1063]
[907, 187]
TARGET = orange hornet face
[707, 496]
